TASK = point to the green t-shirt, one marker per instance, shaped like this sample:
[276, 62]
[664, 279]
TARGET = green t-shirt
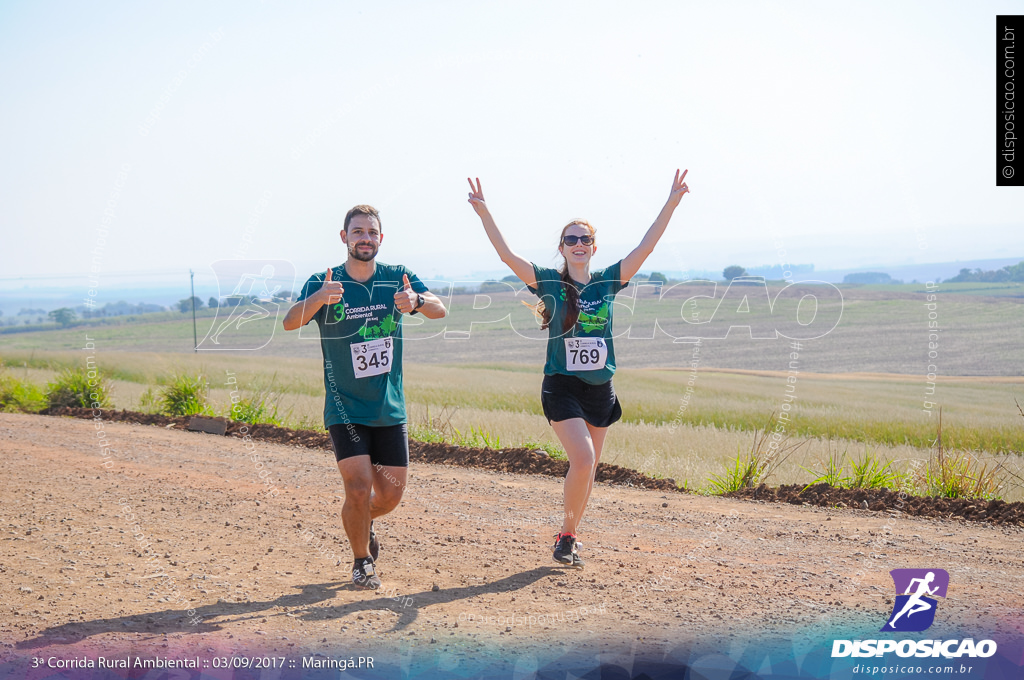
[363, 334]
[591, 337]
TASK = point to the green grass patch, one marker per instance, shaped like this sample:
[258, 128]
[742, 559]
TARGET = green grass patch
[437, 427]
[186, 395]
[870, 472]
[20, 396]
[768, 450]
[149, 402]
[832, 468]
[79, 388]
[959, 474]
[261, 404]
[742, 473]
[553, 450]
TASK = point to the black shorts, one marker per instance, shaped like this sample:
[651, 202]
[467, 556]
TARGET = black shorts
[565, 396]
[384, 445]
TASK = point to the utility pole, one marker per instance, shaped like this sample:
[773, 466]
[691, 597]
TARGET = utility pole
[195, 338]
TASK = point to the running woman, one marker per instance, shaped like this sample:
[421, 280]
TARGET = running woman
[576, 308]
[358, 307]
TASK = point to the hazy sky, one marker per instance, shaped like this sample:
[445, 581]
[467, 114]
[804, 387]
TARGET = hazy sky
[840, 134]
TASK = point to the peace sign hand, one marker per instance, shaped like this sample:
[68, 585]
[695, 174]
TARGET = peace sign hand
[476, 197]
[678, 187]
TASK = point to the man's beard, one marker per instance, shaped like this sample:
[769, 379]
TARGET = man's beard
[362, 257]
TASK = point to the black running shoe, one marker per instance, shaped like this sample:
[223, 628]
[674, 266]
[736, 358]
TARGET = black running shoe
[374, 543]
[364, 574]
[565, 550]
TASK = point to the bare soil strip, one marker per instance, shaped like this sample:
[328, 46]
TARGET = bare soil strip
[466, 559]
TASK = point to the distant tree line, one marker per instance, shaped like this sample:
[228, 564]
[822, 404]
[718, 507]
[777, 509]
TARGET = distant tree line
[64, 317]
[185, 304]
[869, 277]
[121, 308]
[1012, 272]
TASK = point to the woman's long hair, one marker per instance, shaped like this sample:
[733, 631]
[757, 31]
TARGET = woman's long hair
[572, 296]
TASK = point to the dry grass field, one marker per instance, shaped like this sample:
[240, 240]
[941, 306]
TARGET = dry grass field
[881, 329]
[666, 431]
[860, 389]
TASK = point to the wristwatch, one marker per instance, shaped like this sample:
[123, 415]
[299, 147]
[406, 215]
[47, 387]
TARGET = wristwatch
[419, 303]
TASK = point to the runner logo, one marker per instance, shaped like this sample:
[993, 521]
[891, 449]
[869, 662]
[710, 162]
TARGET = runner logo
[913, 610]
[250, 297]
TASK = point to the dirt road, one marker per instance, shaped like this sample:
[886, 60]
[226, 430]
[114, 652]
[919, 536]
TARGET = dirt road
[102, 554]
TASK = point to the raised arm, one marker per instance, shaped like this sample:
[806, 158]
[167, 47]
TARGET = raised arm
[519, 265]
[631, 263]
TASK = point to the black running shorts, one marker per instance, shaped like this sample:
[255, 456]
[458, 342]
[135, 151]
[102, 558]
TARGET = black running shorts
[565, 396]
[384, 445]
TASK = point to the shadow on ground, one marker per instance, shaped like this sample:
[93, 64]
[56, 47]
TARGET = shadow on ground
[300, 605]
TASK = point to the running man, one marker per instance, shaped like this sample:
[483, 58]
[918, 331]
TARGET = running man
[254, 313]
[358, 307]
[914, 603]
[576, 308]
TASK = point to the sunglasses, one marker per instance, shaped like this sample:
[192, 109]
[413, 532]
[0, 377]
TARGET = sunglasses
[571, 240]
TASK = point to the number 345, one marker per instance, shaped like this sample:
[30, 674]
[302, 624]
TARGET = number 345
[376, 360]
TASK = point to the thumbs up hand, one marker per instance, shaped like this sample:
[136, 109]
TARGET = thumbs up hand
[406, 298]
[331, 291]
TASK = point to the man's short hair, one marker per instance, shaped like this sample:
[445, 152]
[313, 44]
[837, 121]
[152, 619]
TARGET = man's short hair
[367, 210]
